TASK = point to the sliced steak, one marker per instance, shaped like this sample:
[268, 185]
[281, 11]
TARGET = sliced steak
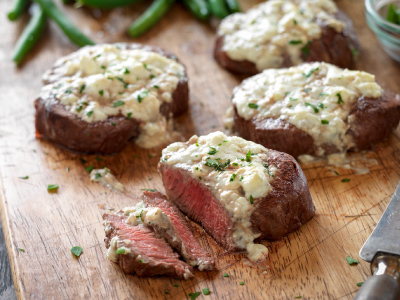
[178, 233]
[145, 254]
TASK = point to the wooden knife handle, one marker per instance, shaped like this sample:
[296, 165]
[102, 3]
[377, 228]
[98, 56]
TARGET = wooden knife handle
[385, 281]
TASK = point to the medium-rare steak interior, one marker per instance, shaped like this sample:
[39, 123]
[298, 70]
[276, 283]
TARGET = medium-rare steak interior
[314, 108]
[282, 33]
[237, 190]
[98, 98]
[138, 249]
[169, 223]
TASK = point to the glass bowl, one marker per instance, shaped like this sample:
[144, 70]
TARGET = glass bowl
[386, 32]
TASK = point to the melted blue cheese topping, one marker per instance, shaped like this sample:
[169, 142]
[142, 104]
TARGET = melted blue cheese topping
[316, 98]
[271, 30]
[106, 80]
[235, 171]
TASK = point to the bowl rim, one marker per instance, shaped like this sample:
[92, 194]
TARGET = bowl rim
[369, 5]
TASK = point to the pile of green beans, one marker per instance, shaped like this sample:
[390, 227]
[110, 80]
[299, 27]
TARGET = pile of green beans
[34, 30]
[43, 9]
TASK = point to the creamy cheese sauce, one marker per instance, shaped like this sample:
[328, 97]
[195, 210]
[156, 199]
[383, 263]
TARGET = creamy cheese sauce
[106, 80]
[316, 98]
[105, 177]
[277, 28]
[234, 170]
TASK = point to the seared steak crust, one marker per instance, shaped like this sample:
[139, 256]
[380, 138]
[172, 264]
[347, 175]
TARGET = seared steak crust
[333, 47]
[62, 127]
[371, 120]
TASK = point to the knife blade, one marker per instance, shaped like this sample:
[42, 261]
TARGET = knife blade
[382, 250]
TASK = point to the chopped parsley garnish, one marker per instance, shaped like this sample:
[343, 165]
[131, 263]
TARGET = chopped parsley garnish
[77, 251]
[89, 113]
[294, 21]
[235, 164]
[241, 283]
[24, 177]
[82, 88]
[145, 66]
[98, 158]
[166, 292]
[232, 177]
[103, 67]
[22, 250]
[241, 178]
[89, 169]
[295, 42]
[129, 115]
[52, 188]
[217, 165]
[152, 76]
[226, 275]
[298, 297]
[307, 75]
[251, 199]
[212, 151]
[101, 92]
[324, 122]
[194, 295]
[360, 283]
[336, 173]
[345, 180]
[316, 110]
[354, 51]
[142, 95]
[118, 103]
[306, 49]
[199, 177]
[206, 291]
[68, 91]
[82, 160]
[97, 56]
[197, 144]
[126, 71]
[122, 81]
[156, 86]
[267, 170]
[121, 250]
[252, 105]
[176, 285]
[248, 156]
[393, 15]
[321, 105]
[340, 100]
[149, 190]
[97, 176]
[351, 261]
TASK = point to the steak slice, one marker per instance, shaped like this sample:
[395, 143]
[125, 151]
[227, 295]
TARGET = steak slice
[178, 233]
[145, 253]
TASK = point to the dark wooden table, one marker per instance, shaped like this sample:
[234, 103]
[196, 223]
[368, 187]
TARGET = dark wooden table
[7, 291]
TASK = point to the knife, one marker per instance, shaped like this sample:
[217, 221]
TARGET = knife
[382, 250]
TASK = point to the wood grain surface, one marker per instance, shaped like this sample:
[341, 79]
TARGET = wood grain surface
[310, 262]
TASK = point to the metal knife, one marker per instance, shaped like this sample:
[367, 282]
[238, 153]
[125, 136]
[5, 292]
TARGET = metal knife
[382, 250]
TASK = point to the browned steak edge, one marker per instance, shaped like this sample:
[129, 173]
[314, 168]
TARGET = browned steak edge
[288, 205]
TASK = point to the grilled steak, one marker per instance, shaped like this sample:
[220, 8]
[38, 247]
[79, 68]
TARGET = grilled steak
[97, 103]
[177, 232]
[237, 190]
[314, 112]
[290, 42]
[139, 251]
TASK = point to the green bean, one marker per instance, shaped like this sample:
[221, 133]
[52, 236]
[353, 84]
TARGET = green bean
[73, 33]
[233, 6]
[150, 17]
[107, 3]
[218, 8]
[17, 9]
[30, 35]
[199, 8]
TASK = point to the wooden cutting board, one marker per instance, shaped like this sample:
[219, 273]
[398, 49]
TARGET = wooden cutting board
[310, 262]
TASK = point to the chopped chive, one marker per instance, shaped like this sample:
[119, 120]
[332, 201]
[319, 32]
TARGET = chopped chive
[197, 144]
[152, 76]
[241, 283]
[226, 275]
[156, 86]
[99, 158]
[24, 177]
[232, 177]
[321, 105]
[176, 285]
[212, 151]
[248, 156]
[101, 92]
[306, 49]
[118, 103]
[251, 199]
[206, 291]
[129, 116]
[120, 251]
[89, 168]
[340, 100]
[295, 42]
[345, 180]
[89, 113]
[360, 283]
[82, 88]
[316, 110]
[126, 71]
[307, 75]
[252, 105]
[324, 122]
[97, 176]
[351, 261]
[142, 95]
[82, 160]
[241, 178]
[77, 251]
[194, 295]
[52, 188]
